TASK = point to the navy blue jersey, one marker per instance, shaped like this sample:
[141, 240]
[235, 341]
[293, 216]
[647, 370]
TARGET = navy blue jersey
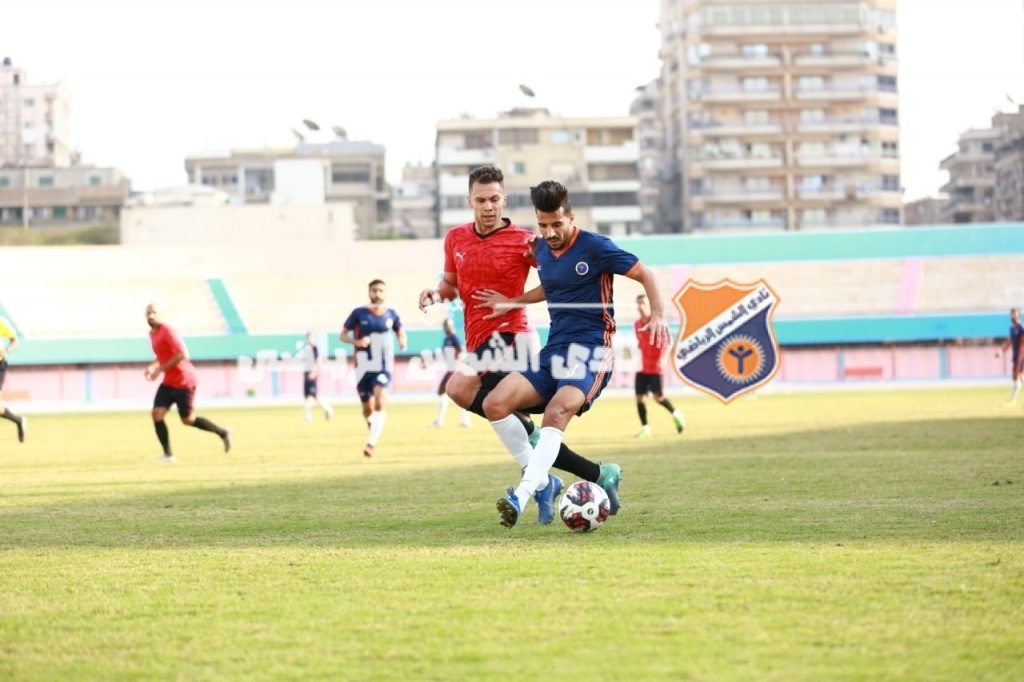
[452, 341]
[379, 325]
[1016, 334]
[578, 287]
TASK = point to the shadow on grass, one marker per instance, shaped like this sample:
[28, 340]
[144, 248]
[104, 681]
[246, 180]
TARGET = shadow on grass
[951, 480]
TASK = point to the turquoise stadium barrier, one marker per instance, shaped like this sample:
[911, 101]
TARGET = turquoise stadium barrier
[659, 252]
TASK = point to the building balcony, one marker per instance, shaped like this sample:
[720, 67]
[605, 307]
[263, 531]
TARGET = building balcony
[843, 93]
[89, 195]
[732, 128]
[464, 157]
[775, 31]
[737, 94]
[967, 158]
[842, 60]
[968, 183]
[840, 125]
[628, 152]
[615, 214]
[738, 62]
[836, 160]
[741, 195]
[736, 162]
[613, 186]
[742, 224]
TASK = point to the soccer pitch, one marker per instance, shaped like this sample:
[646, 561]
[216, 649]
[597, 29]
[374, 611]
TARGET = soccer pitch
[870, 535]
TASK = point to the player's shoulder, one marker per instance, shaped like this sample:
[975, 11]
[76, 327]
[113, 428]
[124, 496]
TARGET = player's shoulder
[459, 231]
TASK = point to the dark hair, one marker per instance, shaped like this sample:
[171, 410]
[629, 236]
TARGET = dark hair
[376, 281]
[549, 196]
[485, 175]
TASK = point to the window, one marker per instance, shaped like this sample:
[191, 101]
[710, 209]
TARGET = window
[755, 50]
[518, 136]
[29, 103]
[349, 175]
[891, 183]
[95, 180]
[477, 140]
[517, 168]
[890, 150]
[814, 216]
[755, 83]
[46, 181]
[887, 83]
[812, 115]
[891, 215]
[888, 116]
[811, 83]
[60, 212]
[756, 116]
[5, 181]
[30, 125]
[560, 136]
[758, 184]
[816, 49]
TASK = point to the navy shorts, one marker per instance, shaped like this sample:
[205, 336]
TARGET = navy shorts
[371, 380]
[588, 368]
[308, 386]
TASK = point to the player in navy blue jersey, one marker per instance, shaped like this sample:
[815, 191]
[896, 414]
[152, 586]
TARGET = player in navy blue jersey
[452, 350]
[371, 329]
[1015, 344]
[576, 269]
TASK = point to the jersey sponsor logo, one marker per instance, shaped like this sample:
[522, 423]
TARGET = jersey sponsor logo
[726, 344]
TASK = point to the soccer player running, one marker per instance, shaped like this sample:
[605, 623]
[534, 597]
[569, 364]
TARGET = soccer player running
[451, 350]
[8, 340]
[576, 270]
[311, 367]
[652, 370]
[491, 256]
[178, 386]
[1015, 343]
[370, 329]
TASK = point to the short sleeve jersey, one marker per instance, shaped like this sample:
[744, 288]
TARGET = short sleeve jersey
[166, 344]
[578, 287]
[309, 355]
[6, 329]
[1016, 338]
[499, 260]
[379, 324]
[651, 356]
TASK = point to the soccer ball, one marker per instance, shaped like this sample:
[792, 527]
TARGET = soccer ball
[584, 506]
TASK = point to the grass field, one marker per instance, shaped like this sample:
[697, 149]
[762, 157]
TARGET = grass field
[816, 536]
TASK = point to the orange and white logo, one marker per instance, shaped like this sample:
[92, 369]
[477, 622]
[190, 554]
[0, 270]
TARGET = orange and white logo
[726, 345]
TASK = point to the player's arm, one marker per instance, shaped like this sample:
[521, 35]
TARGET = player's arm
[12, 342]
[348, 336]
[657, 326]
[501, 304]
[316, 363]
[447, 290]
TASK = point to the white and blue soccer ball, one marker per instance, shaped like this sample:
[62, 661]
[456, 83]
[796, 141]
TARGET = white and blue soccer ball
[584, 507]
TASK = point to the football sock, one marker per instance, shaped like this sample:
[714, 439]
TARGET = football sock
[512, 436]
[10, 416]
[465, 417]
[576, 464]
[535, 476]
[442, 409]
[163, 435]
[1015, 390]
[667, 404]
[377, 420]
[204, 424]
[641, 409]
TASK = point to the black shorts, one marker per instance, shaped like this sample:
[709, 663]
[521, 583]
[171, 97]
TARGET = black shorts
[647, 383]
[490, 357]
[308, 386]
[3, 372]
[182, 397]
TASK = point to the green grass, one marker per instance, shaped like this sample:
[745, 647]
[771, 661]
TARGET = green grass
[839, 536]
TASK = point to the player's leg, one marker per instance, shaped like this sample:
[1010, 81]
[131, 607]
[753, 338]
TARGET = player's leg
[185, 399]
[307, 399]
[161, 402]
[19, 422]
[640, 391]
[1017, 376]
[659, 397]
[442, 401]
[378, 411]
[315, 392]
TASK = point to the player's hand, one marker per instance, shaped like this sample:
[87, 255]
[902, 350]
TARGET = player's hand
[531, 247]
[429, 297]
[489, 298]
[363, 342]
[151, 372]
[657, 327]
[3, 353]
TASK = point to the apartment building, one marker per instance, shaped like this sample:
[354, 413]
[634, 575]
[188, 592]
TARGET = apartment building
[986, 173]
[414, 203]
[781, 115]
[972, 178]
[47, 196]
[339, 170]
[596, 158]
[35, 120]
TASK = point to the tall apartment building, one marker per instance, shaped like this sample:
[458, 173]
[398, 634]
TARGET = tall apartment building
[35, 120]
[310, 172]
[596, 158]
[781, 115]
[42, 183]
[656, 197]
[986, 173]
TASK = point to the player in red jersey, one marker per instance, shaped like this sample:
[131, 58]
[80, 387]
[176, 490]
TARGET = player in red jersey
[493, 254]
[652, 370]
[179, 383]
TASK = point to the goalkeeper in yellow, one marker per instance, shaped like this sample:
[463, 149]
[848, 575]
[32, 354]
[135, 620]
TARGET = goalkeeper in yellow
[8, 341]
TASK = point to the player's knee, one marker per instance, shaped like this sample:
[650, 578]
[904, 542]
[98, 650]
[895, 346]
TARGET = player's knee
[496, 406]
[461, 390]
